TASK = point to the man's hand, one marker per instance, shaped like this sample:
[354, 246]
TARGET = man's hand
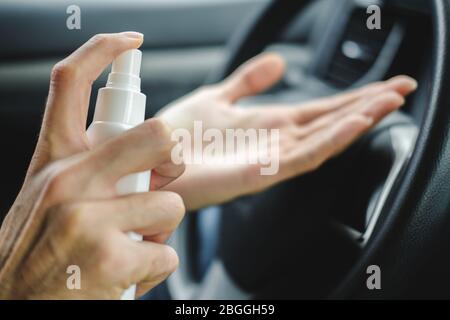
[310, 133]
[68, 212]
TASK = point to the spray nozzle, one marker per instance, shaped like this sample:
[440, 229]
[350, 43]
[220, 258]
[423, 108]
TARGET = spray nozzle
[125, 71]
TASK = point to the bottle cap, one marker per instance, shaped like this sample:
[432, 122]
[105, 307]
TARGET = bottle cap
[125, 71]
[121, 101]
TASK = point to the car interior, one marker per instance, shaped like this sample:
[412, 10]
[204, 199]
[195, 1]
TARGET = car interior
[384, 202]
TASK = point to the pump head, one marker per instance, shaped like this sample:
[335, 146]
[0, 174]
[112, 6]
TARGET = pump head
[121, 101]
[125, 71]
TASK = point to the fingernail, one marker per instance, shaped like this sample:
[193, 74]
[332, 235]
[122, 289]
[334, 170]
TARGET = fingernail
[133, 35]
[414, 83]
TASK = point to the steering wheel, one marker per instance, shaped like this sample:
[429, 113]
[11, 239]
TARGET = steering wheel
[285, 243]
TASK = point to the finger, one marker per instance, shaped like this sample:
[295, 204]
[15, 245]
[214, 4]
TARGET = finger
[159, 238]
[375, 107]
[156, 263]
[382, 106]
[149, 213]
[65, 116]
[253, 77]
[403, 85]
[321, 146]
[165, 174]
[140, 149]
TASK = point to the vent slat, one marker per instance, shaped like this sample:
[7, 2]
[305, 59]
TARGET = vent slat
[345, 70]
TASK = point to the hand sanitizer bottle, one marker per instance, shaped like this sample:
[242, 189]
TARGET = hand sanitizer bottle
[121, 106]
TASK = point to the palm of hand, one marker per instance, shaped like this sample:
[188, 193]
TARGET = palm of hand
[309, 134]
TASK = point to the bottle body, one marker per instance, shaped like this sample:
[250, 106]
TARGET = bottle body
[119, 107]
[100, 132]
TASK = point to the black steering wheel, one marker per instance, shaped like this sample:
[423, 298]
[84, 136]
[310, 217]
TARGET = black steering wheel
[288, 242]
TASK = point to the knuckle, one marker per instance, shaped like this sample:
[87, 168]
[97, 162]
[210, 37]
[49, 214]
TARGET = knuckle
[59, 180]
[64, 71]
[55, 185]
[99, 39]
[71, 219]
[107, 257]
[159, 128]
[161, 132]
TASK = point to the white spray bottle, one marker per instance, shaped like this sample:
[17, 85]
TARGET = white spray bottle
[120, 106]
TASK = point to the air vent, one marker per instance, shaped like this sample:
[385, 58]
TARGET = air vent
[358, 49]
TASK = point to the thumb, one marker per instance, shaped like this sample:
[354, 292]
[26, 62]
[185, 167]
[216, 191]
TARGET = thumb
[253, 77]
